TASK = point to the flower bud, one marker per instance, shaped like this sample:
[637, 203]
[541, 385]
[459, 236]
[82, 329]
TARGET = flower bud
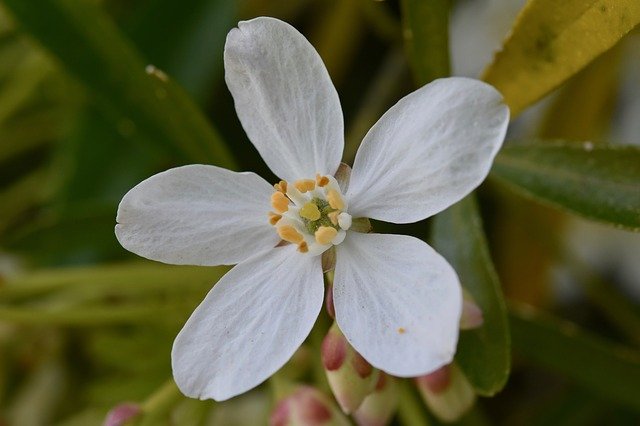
[378, 408]
[328, 298]
[350, 376]
[447, 392]
[121, 414]
[471, 313]
[306, 406]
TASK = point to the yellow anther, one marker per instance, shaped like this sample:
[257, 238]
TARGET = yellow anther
[279, 202]
[305, 185]
[274, 218]
[322, 180]
[335, 200]
[402, 330]
[289, 233]
[303, 247]
[333, 217]
[281, 186]
[310, 211]
[325, 234]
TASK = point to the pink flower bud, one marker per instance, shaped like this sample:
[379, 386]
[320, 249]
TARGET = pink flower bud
[121, 414]
[350, 376]
[306, 406]
[471, 313]
[447, 392]
[378, 408]
[437, 381]
[333, 351]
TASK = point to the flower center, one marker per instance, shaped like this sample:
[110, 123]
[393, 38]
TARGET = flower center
[310, 213]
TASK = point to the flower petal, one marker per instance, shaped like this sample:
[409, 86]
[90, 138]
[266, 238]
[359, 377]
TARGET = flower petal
[428, 151]
[398, 302]
[284, 98]
[249, 324]
[197, 215]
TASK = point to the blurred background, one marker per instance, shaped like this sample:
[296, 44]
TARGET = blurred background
[85, 325]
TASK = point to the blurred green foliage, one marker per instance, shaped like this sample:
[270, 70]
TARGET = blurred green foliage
[83, 117]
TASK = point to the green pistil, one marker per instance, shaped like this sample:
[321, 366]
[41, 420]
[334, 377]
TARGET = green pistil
[323, 206]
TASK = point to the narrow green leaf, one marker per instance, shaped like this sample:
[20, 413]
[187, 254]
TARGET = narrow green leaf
[144, 102]
[611, 371]
[426, 40]
[151, 313]
[483, 353]
[553, 40]
[600, 182]
[124, 279]
[191, 37]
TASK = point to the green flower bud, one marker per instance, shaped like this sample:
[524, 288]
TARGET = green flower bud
[447, 392]
[378, 408]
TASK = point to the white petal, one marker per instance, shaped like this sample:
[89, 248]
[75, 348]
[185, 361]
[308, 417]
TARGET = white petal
[398, 302]
[249, 325]
[284, 98]
[197, 215]
[428, 151]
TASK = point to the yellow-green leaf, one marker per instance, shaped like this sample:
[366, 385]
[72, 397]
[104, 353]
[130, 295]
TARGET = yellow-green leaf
[553, 40]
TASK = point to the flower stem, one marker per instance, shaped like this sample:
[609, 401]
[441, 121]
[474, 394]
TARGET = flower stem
[160, 403]
[411, 411]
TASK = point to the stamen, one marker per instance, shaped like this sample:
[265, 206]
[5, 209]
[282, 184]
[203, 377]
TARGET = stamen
[279, 202]
[303, 247]
[305, 185]
[281, 186]
[289, 233]
[345, 220]
[333, 217]
[325, 234]
[274, 218]
[334, 199]
[322, 180]
[310, 211]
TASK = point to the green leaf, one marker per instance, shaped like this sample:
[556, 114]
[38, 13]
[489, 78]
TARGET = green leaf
[426, 40]
[611, 371]
[483, 353]
[553, 40]
[144, 102]
[600, 182]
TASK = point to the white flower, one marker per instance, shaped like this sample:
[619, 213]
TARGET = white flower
[397, 301]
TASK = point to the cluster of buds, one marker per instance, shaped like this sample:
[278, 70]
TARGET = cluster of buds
[370, 396]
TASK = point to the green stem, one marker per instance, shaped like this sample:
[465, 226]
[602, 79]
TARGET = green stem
[160, 403]
[386, 84]
[410, 410]
[281, 387]
[426, 36]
